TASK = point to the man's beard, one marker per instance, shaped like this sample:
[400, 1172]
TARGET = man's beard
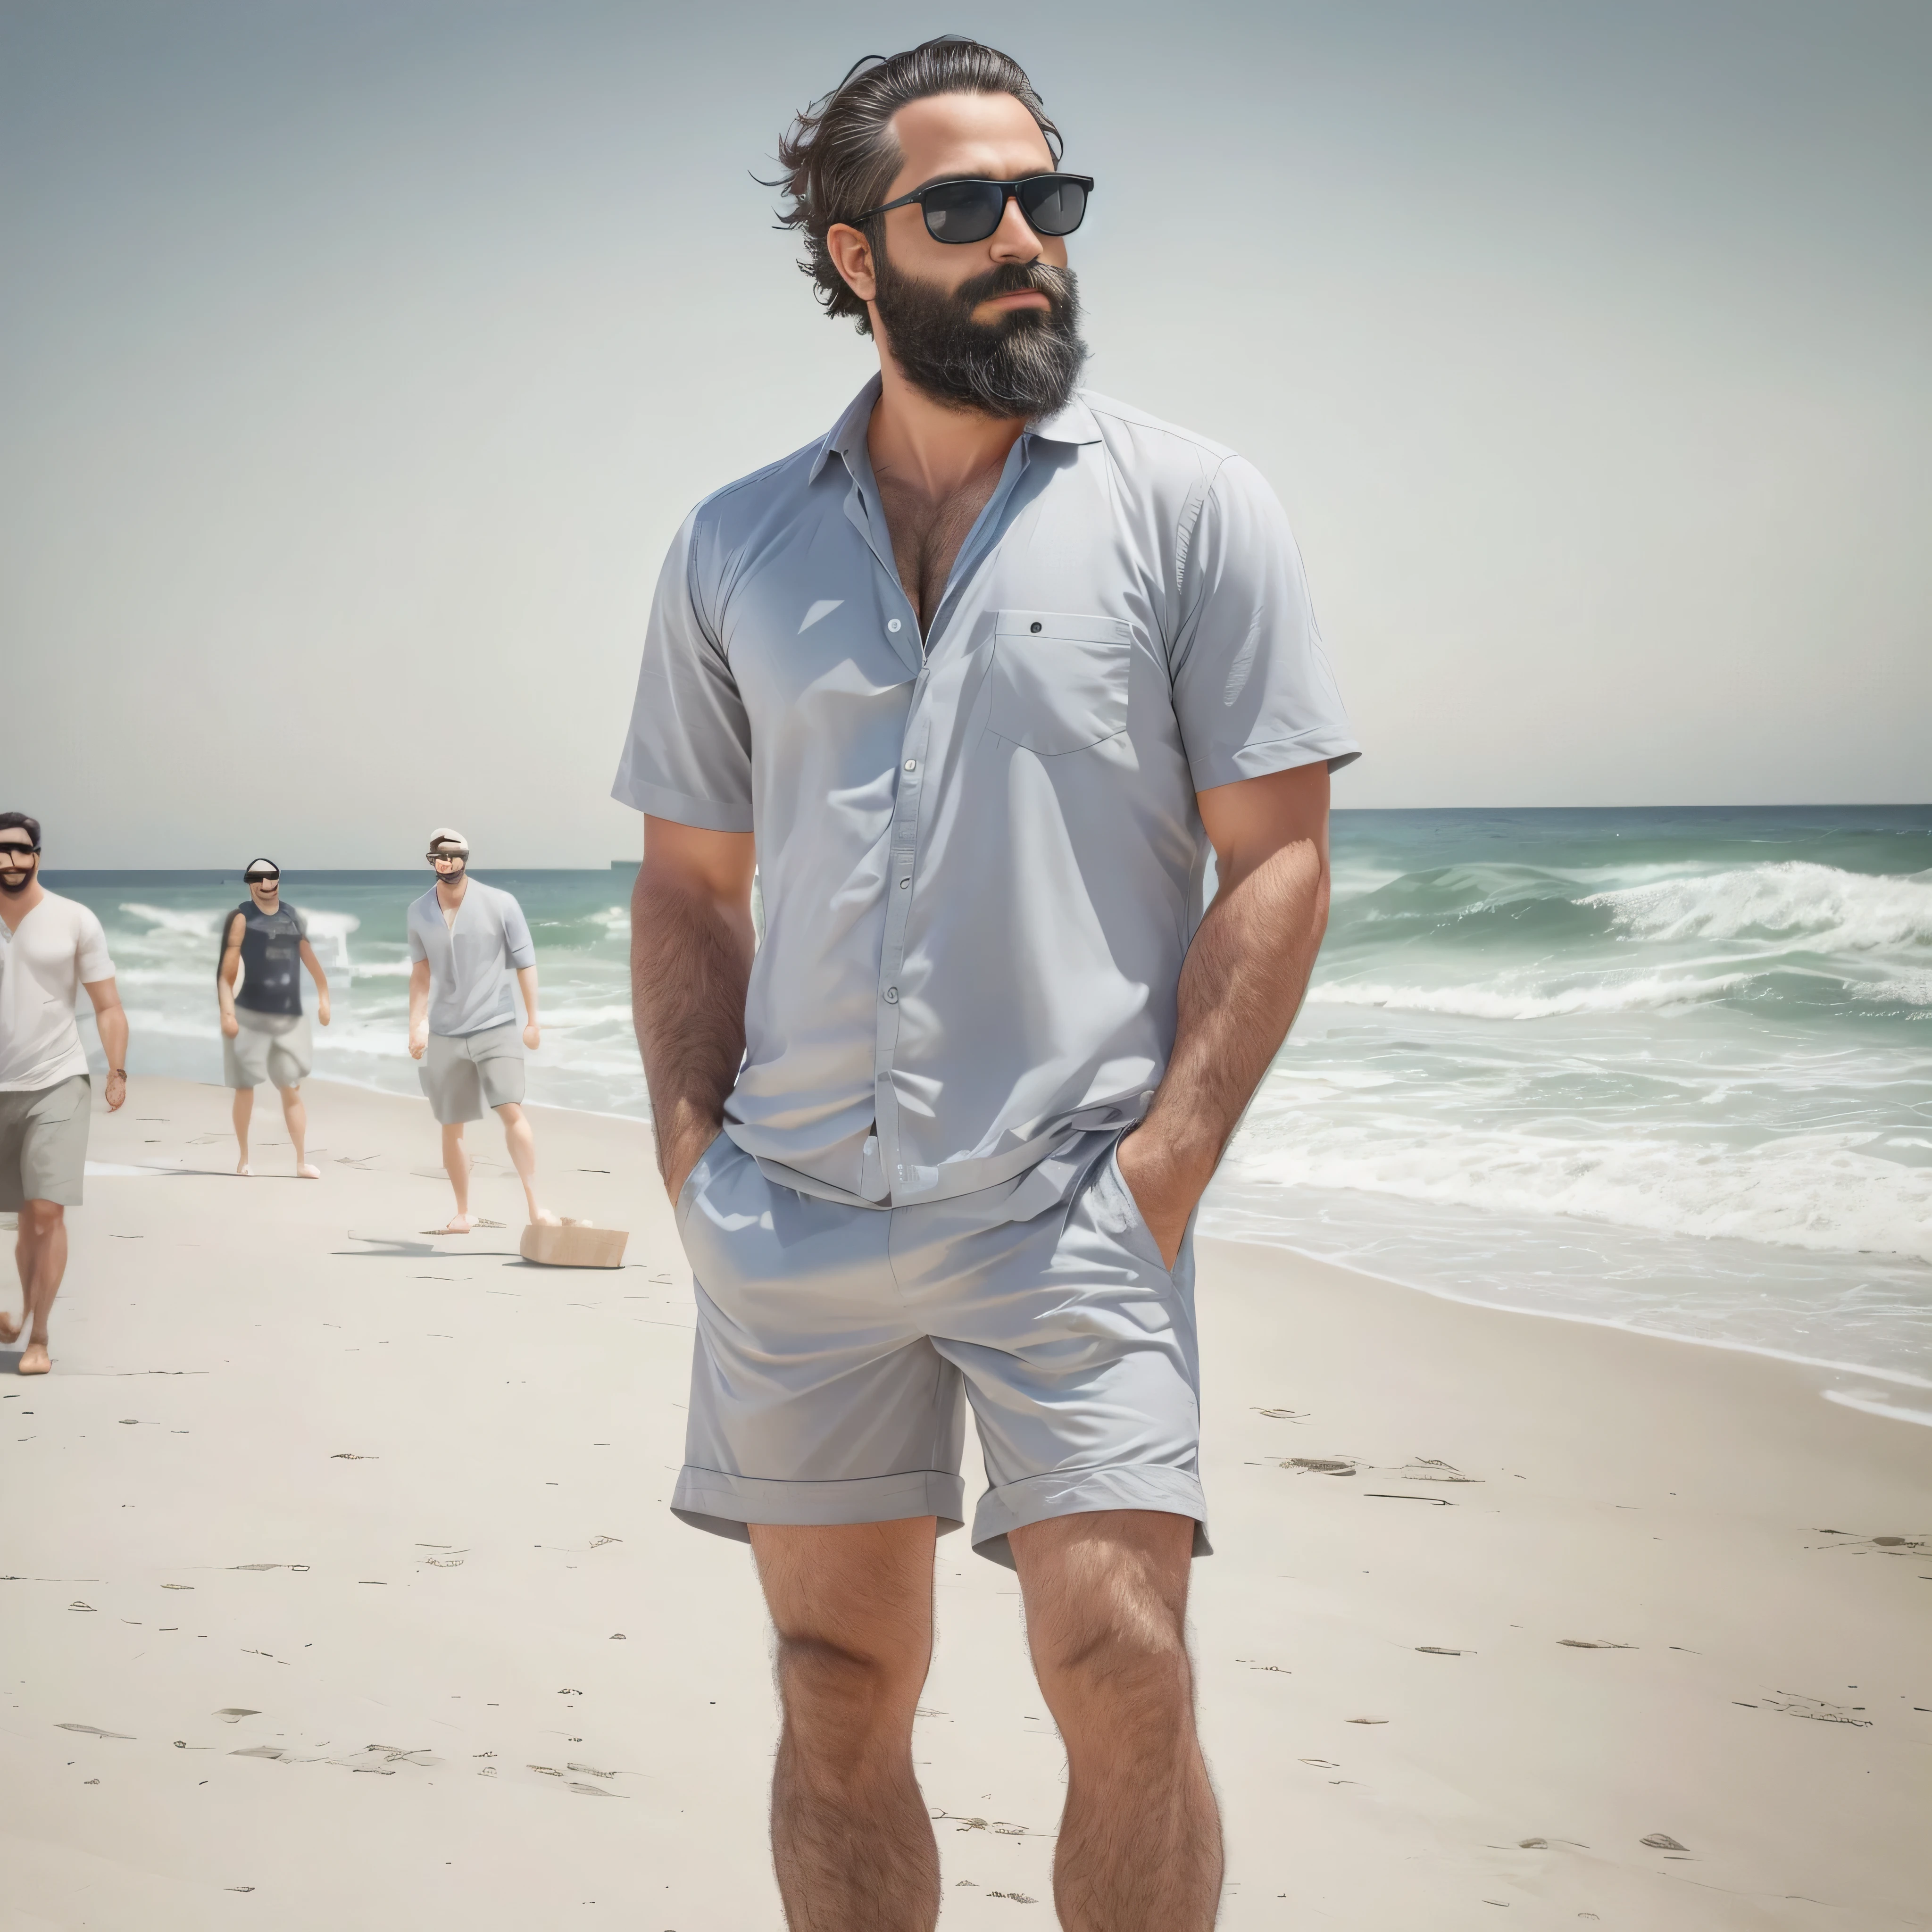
[17, 883]
[1024, 364]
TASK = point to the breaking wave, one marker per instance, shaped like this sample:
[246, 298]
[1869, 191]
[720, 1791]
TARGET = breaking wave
[1833, 910]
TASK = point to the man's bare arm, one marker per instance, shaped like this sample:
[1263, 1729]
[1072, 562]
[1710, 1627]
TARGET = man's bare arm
[526, 983]
[691, 961]
[419, 1009]
[321, 978]
[1241, 986]
[231, 970]
[110, 1021]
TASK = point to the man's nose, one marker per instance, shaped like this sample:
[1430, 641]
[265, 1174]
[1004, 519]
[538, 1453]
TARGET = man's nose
[1014, 240]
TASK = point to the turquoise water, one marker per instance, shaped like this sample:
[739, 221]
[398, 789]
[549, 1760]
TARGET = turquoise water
[1670, 1070]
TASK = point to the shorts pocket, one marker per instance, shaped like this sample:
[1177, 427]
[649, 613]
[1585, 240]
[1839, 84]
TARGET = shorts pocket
[1136, 1234]
[693, 1182]
[1059, 682]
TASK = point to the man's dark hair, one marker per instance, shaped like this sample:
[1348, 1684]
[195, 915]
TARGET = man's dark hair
[839, 156]
[21, 821]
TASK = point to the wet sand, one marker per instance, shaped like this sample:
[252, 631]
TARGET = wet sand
[341, 1590]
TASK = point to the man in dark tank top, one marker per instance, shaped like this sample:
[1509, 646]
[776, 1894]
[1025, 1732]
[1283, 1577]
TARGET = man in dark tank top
[265, 1032]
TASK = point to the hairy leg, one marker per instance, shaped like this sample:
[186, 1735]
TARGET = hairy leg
[1106, 1605]
[521, 1140]
[41, 1256]
[245, 1111]
[853, 1607]
[456, 1165]
[296, 1114]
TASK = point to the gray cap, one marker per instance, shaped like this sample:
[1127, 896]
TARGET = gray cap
[448, 835]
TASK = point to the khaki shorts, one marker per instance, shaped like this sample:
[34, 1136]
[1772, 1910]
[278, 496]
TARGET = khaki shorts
[839, 1347]
[280, 1059]
[43, 1143]
[465, 1078]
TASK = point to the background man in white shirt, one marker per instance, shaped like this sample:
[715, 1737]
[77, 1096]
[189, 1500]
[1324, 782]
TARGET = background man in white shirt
[465, 938]
[50, 948]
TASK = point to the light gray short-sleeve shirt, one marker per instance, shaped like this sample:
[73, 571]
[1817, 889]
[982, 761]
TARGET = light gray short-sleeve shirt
[470, 962]
[981, 862]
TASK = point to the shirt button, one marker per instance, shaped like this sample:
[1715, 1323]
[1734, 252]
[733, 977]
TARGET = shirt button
[892, 625]
[891, 996]
[903, 884]
[912, 764]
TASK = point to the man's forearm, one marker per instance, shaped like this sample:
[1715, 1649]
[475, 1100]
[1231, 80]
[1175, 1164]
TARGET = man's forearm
[691, 961]
[1240, 987]
[112, 1026]
[526, 983]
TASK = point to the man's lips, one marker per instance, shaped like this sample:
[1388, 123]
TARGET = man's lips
[1017, 298]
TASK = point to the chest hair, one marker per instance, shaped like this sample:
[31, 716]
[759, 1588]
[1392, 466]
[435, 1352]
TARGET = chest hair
[927, 532]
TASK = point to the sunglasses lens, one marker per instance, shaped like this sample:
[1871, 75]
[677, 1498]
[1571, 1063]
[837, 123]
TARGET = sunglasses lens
[1053, 204]
[964, 210]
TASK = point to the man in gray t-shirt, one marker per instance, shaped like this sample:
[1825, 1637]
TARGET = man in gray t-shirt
[466, 939]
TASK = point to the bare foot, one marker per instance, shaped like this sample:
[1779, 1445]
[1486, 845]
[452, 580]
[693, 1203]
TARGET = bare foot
[34, 1361]
[10, 1329]
[307, 1171]
[244, 1168]
[542, 1217]
[457, 1224]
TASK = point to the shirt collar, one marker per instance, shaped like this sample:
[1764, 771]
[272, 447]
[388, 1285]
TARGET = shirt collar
[1074, 424]
[847, 435]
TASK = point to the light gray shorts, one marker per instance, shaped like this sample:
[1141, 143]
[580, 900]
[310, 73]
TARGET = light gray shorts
[282, 1056]
[43, 1143]
[465, 1077]
[837, 1347]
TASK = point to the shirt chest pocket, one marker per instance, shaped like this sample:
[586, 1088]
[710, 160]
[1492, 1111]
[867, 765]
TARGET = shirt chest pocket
[1059, 682]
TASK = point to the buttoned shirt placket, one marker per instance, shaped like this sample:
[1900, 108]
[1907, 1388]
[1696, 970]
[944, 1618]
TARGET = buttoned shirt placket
[886, 1177]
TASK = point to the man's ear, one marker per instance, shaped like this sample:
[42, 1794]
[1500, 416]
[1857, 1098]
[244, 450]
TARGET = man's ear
[851, 253]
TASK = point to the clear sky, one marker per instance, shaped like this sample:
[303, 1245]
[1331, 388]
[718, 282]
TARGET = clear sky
[357, 358]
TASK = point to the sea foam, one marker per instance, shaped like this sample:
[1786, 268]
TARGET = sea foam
[1833, 910]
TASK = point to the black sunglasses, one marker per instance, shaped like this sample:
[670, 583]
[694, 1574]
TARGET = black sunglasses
[969, 211]
[261, 878]
[20, 851]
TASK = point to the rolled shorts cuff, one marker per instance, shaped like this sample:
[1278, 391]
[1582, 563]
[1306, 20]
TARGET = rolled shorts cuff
[1082, 1492]
[725, 1505]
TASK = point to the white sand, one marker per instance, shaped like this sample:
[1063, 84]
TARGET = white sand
[465, 1743]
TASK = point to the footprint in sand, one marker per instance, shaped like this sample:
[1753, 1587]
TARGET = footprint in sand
[1593, 1643]
[1430, 1469]
[1323, 1465]
[1795, 1704]
[1662, 1841]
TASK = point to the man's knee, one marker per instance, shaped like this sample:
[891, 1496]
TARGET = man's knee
[1128, 1659]
[510, 1114]
[854, 1683]
[39, 1218]
[1106, 1614]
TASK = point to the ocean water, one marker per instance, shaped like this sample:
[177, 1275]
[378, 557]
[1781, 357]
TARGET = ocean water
[1667, 1069]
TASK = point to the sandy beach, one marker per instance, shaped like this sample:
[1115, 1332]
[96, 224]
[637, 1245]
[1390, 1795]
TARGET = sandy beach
[341, 1590]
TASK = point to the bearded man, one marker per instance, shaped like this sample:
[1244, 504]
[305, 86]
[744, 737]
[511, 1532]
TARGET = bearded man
[50, 948]
[976, 682]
